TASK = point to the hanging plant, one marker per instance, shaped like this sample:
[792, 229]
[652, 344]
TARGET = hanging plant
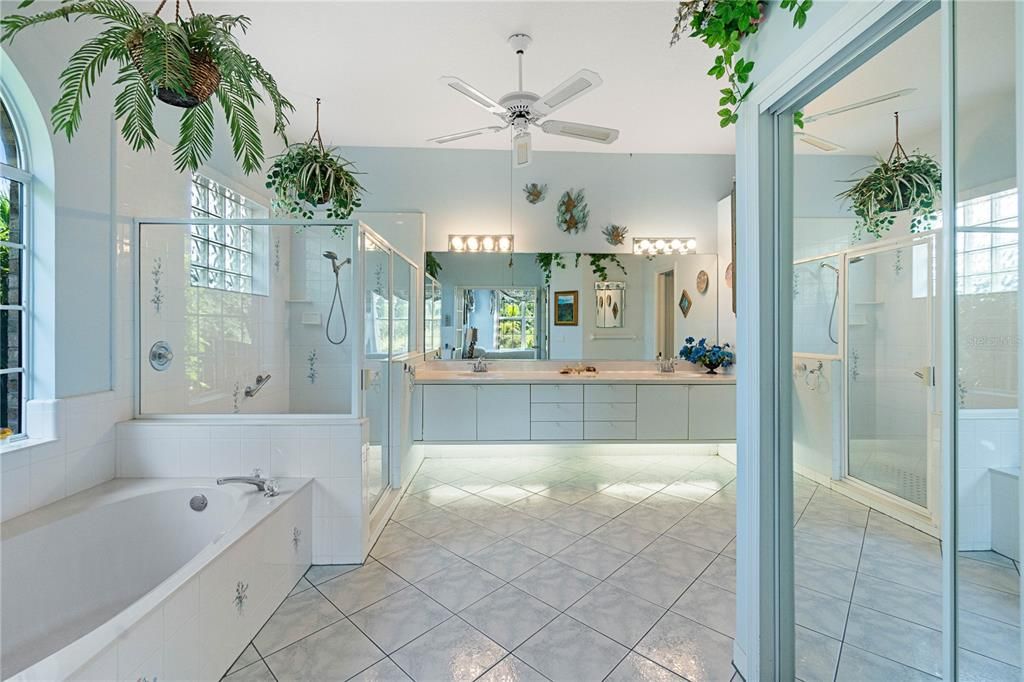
[535, 193]
[432, 265]
[597, 264]
[573, 213]
[309, 175]
[186, 62]
[903, 182]
[615, 234]
[548, 260]
[721, 25]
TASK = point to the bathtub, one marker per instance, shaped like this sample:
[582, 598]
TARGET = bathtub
[126, 581]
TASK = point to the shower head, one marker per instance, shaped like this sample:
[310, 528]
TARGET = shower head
[333, 257]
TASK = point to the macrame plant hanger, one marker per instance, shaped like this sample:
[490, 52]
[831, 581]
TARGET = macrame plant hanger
[898, 154]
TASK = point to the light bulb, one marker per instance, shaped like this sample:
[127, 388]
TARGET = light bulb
[504, 244]
[488, 243]
[645, 244]
[677, 244]
[473, 244]
[458, 244]
[691, 244]
[660, 244]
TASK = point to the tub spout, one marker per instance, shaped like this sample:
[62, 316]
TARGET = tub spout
[267, 486]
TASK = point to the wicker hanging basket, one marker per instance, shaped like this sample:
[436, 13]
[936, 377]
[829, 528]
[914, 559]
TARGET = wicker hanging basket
[203, 72]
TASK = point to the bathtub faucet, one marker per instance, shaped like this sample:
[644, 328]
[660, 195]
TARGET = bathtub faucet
[267, 486]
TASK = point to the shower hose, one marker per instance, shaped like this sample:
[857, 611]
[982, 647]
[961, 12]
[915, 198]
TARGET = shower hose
[336, 300]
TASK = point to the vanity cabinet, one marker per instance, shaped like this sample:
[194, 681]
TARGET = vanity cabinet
[712, 412]
[662, 412]
[698, 413]
[449, 412]
[503, 412]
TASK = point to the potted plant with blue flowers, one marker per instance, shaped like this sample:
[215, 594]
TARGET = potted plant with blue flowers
[709, 357]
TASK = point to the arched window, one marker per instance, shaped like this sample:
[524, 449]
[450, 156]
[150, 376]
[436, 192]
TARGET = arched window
[14, 201]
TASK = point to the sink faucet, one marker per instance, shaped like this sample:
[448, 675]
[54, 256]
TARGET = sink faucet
[480, 365]
[267, 486]
[666, 365]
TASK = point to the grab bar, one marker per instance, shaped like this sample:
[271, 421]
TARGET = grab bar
[261, 381]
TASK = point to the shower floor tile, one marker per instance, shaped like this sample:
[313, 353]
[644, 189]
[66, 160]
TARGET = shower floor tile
[624, 565]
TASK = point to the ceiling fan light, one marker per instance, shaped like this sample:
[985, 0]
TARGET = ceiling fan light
[521, 148]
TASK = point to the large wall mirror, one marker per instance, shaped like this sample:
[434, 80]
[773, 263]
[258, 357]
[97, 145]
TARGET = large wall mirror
[508, 306]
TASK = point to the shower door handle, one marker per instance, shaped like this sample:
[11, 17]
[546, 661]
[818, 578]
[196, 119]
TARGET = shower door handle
[926, 375]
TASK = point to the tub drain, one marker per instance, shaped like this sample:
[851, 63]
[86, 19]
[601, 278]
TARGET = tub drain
[198, 502]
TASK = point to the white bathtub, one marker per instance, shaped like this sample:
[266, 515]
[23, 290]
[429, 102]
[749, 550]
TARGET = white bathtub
[125, 581]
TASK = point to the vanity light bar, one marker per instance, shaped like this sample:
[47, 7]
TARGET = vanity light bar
[475, 243]
[657, 246]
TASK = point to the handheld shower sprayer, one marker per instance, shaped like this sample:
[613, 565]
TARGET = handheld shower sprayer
[835, 300]
[336, 298]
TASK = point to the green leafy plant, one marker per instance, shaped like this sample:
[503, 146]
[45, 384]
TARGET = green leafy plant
[432, 265]
[903, 182]
[186, 62]
[721, 25]
[308, 175]
[597, 264]
[547, 261]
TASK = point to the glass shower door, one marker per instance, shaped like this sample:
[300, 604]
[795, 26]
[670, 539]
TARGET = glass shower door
[374, 377]
[889, 368]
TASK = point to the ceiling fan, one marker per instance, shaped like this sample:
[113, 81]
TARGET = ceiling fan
[520, 109]
[829, 146]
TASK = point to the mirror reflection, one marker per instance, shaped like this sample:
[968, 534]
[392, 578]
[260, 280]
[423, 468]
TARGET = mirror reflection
[568, 306]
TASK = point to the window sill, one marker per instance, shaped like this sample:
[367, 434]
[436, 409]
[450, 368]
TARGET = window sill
[24, 444]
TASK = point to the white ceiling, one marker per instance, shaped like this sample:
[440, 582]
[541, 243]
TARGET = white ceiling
[986, 41]
[376, 66]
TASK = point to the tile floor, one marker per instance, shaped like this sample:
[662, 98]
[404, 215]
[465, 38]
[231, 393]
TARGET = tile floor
[618, 568]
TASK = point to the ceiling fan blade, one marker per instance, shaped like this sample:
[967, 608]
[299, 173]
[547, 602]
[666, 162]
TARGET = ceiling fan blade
[473, 95]
[577, 85]
[580, 131]
[522, 150]
[859, 105]
[818, 142]
[466, 133]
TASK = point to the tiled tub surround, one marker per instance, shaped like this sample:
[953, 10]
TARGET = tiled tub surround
[567, 566]
[329, 451]
[987, 440]
[157, 590]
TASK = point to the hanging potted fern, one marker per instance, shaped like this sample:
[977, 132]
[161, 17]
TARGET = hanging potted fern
[186, 62]
[903, 182]
[309, 175]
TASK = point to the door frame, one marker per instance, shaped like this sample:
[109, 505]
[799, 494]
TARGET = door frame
[764, 647]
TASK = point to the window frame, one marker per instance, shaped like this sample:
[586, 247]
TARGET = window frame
[22, 175]
[522, 318]
[207, 241]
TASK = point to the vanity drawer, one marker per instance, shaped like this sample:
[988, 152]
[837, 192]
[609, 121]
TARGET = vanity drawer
[556, 431]
[609, 430]
[609, 412]
[556, 393]
[610, 393]
[556, 412]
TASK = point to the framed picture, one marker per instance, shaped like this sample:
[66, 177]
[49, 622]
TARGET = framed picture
[567, 308]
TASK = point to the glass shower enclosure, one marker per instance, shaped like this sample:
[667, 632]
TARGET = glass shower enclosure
[280, 320]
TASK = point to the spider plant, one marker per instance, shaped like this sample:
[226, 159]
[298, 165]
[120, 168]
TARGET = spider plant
[308, 175]
[188, 62]
[903, 182]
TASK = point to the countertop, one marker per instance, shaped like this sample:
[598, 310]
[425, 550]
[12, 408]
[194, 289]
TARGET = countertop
[680, 376]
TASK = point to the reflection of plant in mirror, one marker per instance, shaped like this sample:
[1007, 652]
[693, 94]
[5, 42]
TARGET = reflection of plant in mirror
[597, 264]
[908, 182]
[548, 260]
[432, 265]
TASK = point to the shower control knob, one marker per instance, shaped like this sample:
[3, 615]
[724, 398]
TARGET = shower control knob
[160, 356]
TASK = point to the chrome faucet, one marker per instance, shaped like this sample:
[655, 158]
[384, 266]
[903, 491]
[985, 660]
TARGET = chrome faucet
[666, 365]
[267, 486]
[480, 365]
